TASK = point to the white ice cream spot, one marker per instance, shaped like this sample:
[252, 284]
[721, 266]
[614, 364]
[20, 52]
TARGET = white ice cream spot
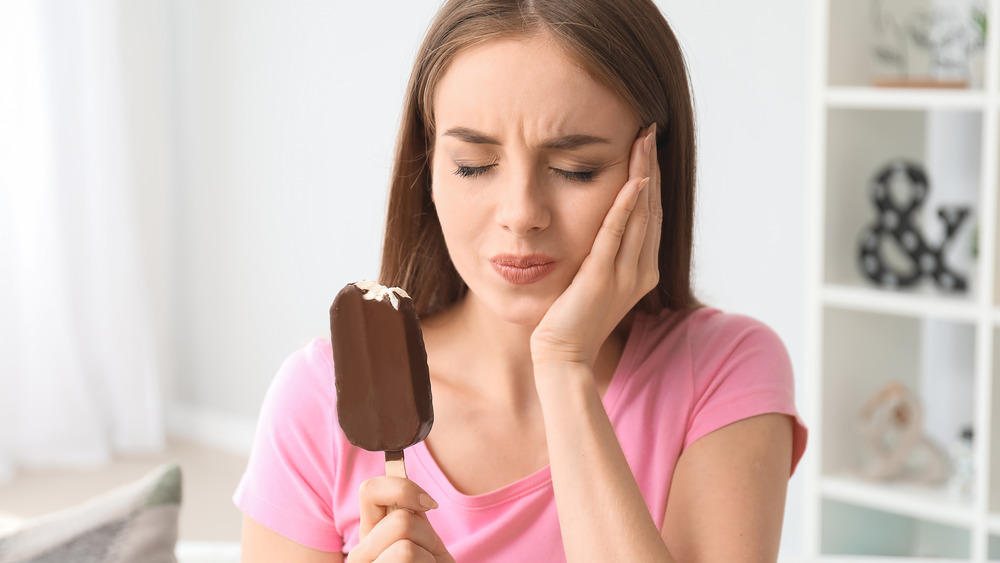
[375, 291]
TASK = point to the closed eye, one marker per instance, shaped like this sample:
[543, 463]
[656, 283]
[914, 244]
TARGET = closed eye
[472, 171]
[576, 175]
[571, 175]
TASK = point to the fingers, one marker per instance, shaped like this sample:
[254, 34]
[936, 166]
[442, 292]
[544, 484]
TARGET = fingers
[638, 164]
[636, 229]
[628, 241]
[651, 245]
[401, 536]
[404, 551]
[612, 231]
[379, 493]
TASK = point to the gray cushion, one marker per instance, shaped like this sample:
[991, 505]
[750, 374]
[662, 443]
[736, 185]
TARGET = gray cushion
[133, 523]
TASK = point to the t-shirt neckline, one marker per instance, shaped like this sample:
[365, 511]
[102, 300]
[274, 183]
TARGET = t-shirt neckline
[542, 478]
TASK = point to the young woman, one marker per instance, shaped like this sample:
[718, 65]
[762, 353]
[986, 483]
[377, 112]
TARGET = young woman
[587, 407]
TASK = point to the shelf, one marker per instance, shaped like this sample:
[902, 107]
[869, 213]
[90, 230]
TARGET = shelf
[862, 559]
[904, 98]
[863, 144]
[944, 347]
[874, 559]
[929, 504]
[993, 524]
[959, 309]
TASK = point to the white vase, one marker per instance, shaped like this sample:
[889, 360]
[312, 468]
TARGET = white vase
[927, 42]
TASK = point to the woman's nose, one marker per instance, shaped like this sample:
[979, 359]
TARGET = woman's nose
[523, 209]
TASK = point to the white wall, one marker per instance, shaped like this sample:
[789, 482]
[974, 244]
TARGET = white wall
[749, 68]
[147, 94]
[284, 122]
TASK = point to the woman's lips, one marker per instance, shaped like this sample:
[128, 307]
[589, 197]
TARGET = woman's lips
[523, 270]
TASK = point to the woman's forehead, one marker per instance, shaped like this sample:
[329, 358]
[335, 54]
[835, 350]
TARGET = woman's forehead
[526, 85]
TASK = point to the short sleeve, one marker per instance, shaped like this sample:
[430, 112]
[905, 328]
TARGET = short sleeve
[741, 369]
[287, 486]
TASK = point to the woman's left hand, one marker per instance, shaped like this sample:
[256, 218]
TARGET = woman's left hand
[622, 267]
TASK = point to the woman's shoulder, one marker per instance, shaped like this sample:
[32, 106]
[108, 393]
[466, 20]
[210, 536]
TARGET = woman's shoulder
[729, 367]
[314, 360]
[709, 345]
[709, 331]
[312, 364]
[304, 384]
[288, 484]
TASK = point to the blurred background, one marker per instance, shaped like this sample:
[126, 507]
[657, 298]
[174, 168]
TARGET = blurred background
[185, 185]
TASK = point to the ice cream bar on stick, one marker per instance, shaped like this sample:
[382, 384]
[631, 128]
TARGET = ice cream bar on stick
[383, 386]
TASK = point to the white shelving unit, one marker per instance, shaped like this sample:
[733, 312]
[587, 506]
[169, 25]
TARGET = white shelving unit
[945, 347]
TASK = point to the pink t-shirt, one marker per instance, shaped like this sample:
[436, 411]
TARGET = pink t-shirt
[680, 377]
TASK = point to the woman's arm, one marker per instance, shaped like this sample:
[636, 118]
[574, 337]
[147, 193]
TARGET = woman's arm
[602, 515]
[727, 496]
[400, 536]
[727, 499]
[260, 544]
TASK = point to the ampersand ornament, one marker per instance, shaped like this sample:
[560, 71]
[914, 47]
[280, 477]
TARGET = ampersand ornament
[895, 227]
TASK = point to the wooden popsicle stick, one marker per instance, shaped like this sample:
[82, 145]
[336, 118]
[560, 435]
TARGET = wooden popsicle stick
[394, 467]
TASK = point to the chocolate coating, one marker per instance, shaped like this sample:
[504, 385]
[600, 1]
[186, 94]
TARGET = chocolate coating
[383, 386]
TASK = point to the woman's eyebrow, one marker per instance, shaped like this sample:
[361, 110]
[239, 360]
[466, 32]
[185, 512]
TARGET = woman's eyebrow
[572, 142]
[470, 136]
[566, 142]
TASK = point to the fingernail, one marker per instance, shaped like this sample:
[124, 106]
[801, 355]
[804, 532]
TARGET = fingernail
[643, 183]
[427, 502]
[648, 143]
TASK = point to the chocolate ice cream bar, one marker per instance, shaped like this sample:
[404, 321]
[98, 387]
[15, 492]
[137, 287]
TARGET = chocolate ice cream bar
[383, 386]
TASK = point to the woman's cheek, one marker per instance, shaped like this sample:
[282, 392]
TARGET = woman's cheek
[442, 204]
[450, 215]
[599, 207]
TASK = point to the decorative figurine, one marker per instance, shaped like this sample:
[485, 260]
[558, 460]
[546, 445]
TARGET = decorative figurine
[895, 225]
[892, 426]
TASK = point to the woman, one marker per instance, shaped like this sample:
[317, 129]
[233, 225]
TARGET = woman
[587, 408]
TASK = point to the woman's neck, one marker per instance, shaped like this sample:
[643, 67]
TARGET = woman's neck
[471, 348]
[488, 357]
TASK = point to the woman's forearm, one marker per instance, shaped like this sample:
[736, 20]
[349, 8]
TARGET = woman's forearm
[602, 514]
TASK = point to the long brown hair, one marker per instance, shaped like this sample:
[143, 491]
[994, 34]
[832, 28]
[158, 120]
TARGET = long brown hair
[626, 45]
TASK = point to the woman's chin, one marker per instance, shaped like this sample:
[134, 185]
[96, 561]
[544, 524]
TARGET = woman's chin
[524, 311]
[528, 319]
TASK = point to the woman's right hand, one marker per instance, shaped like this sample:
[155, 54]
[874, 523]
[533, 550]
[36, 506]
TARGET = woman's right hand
[404, 534]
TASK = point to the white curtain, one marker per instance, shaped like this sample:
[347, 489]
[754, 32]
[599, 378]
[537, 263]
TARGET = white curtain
[78, 368]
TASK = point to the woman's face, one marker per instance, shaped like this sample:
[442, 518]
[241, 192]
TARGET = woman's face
[529, 154]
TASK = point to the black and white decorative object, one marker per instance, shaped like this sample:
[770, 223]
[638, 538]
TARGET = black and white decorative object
[896, 231]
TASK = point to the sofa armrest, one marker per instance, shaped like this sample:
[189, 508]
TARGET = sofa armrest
[207, 552]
